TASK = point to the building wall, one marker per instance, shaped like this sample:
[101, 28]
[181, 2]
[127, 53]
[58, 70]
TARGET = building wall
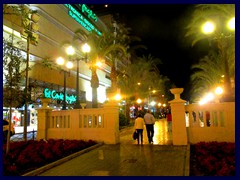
[55, 28]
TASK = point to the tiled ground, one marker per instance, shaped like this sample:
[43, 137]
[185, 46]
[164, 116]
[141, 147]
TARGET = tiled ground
[129, 159]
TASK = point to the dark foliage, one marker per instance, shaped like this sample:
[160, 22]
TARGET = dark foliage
[123, 121]
[212, 159]
[25, 156]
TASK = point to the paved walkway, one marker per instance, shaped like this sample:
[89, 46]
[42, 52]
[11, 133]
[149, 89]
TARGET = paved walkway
[19, 136]
[129, 159]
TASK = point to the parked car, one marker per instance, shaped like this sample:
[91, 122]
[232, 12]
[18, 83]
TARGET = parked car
[5, 129]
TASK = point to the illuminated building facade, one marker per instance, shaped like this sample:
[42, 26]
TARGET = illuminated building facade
[58, 24]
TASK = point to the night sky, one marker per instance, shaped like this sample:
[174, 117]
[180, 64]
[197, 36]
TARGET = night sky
[162, 28]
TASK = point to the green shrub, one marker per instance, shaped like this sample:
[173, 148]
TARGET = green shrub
[123, 121]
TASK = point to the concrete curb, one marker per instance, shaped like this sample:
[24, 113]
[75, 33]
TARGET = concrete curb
[60, 161]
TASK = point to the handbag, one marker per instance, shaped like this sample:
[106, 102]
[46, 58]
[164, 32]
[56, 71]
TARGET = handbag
[135, 135]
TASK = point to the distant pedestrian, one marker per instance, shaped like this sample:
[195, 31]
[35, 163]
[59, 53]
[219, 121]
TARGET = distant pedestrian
[149, 122]
[139, 125]
[169, 120]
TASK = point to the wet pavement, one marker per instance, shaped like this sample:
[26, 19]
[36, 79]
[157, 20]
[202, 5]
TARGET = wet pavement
[128, 158]
[161, 134]
[19, 136]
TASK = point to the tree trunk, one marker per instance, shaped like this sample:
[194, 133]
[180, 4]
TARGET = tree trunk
[94, 85]
[222, 44]
[113, 77]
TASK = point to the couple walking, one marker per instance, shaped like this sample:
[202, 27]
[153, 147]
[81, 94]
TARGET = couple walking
[147, 120]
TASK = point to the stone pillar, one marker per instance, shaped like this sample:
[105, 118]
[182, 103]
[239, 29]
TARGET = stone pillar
[43, 114]
[111, 114]
[179, 131]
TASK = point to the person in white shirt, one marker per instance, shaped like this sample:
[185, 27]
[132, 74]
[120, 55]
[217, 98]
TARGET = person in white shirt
[139, 125]
[149, 122]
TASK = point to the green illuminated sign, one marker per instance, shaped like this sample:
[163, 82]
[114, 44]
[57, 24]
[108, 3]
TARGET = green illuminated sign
[88, 11]
[53, 94]
[77, 16]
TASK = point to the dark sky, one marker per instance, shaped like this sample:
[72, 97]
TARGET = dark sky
[162, 28]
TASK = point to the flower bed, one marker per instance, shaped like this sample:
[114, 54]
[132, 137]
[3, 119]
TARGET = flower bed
[212, 159]
[25, 156]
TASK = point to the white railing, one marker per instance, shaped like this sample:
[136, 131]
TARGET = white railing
[210, 122]
[201, 123]
[100, 124]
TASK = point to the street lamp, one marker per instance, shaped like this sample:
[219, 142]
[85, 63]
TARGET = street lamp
[85, 49]
[208, 28]
[69, 65]
[94, 78]
[139, 101]
[70, 51]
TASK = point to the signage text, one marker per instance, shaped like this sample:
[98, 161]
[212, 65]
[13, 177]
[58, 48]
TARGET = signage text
[53, 94]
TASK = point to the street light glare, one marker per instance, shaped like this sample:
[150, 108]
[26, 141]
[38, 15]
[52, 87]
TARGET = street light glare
[69, 65]
[208, 27]
[118, 97]
[219, 90]
[209, 96]
[86, 48]
[139, 100]
[153, 103]
[231, 24]
[70, 50]
[202, 101]
[98, 64]
[60, 61]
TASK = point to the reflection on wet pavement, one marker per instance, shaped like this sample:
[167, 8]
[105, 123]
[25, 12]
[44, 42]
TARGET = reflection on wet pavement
[128, 158]
[161, 134]
[19, 136]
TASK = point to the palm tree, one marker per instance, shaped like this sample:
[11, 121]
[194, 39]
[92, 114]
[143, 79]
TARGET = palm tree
[138, 77]
[123, 38]
[206, 74]
[140, 71]
[102, 47]
[112, 47]
[224, 39]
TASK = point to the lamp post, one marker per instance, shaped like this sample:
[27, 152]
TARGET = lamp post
[69, 65]
[86, 49]
[77, 105]
[70, 51]
[30, 27]
[94, 79]
[209, 28]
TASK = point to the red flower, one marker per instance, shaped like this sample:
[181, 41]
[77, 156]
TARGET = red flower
[25, 156]
[215, 158]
